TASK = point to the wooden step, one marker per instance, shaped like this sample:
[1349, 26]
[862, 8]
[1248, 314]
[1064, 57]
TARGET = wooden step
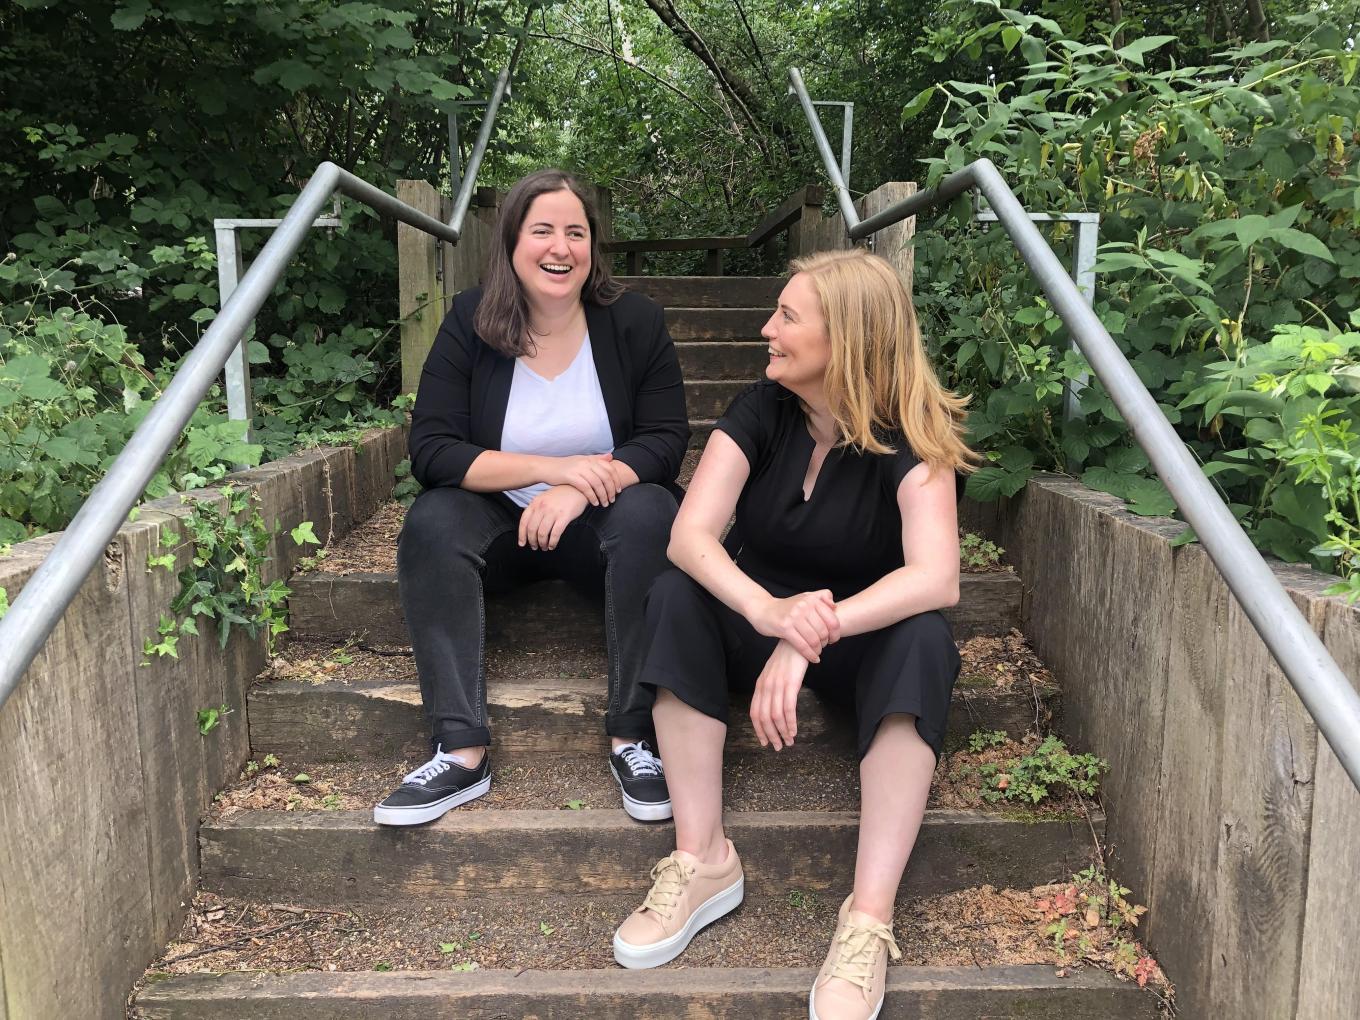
[341, 858]
[710, 399]
[926, 993]
[716, 323]
[708, 291]
[383, 719]
[706, 361]
[337, 606]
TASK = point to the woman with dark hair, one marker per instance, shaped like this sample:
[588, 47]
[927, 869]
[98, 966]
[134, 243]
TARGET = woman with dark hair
[547, 434]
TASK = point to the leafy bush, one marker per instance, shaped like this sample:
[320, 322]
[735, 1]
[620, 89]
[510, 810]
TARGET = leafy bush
[1040, 772]
[1230, 208]
[72, 390]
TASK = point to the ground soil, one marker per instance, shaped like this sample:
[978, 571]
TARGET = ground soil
[974, 927]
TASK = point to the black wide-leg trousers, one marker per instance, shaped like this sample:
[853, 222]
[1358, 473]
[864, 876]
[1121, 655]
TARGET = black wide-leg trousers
[456, 546]
[699, 649]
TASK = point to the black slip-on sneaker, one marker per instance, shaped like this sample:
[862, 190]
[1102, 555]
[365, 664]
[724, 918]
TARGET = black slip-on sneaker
[642, 781]
[438, 785]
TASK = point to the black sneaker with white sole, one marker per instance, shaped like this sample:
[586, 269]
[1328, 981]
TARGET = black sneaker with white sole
[441, 783]
[642, 782]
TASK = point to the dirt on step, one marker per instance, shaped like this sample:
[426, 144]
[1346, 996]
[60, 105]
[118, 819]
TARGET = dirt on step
[978, 927]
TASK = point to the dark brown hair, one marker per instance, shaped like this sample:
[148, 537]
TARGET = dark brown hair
[502, 318]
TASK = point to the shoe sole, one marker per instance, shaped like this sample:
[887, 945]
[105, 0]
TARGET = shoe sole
[716, 906]
[429, 812]
[640, 810]
[812, 1009]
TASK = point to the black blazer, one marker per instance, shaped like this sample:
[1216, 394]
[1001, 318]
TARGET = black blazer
[465, 387]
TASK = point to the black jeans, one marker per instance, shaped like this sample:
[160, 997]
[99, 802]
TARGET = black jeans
[456, 545]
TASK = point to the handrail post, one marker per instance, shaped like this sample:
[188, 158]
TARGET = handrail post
[42, 601]
[824, 148]
[464, 197]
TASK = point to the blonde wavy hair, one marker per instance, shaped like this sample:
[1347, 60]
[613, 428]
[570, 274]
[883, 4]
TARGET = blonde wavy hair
[879, 379]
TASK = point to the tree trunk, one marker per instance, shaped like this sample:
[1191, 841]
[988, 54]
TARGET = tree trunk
[1258, 27]
[732, 85]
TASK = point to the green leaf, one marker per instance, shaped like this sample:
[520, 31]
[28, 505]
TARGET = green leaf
[918, 103]
[1136, 50]
[986, 484]
[1250, 229]
[130, 15]
[1300, 241]
[304, 535]
[1148, 498]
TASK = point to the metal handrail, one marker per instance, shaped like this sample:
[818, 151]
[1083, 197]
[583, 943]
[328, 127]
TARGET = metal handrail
[49, 591]
[1323, 688]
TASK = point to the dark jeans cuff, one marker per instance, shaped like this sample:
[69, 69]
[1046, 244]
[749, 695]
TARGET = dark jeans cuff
[478, 736]
[631, 725]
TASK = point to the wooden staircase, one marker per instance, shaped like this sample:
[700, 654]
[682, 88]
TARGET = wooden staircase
[506, 856]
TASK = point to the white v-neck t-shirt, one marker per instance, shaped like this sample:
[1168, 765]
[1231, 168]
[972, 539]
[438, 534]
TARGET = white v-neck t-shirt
[562, 417]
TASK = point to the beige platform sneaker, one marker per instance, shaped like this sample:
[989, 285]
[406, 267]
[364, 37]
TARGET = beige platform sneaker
[859, 958]
[686, 895]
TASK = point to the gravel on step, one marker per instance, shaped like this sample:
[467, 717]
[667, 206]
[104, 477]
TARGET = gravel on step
[758, 780]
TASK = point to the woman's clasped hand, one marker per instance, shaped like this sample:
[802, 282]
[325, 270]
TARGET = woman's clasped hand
[806, 621]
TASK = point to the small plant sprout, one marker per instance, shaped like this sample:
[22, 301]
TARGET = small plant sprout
[210, 718]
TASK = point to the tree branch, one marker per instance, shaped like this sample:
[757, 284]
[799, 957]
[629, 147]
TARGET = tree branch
[626, 62]
[732, 86]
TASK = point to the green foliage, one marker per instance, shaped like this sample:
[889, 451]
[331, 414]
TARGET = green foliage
[1230, 219]
[72, 390]
[1039, 773]
[210, 718]
[224, 580]
[980, 740]
[4, 602]
[407, 488]
[977, 553]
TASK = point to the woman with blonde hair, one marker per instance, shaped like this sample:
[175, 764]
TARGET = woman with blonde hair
[840, 467]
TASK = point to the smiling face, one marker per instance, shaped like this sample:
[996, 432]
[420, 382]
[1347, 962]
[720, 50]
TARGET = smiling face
[800, 346]
[552, 252]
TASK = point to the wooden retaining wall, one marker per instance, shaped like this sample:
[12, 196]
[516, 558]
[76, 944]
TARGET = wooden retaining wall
[103, 773]
[1226, 813]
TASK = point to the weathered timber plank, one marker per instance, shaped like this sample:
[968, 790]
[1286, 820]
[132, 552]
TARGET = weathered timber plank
[1097, 609]
[1265, 810]
[169, 693]
[894, 243]
[375, 463]
[1328, 986]
[1181, 897]
[333, 721]
[702, 360]
[420, 302]
[337, 606]
[715, 323]
[925, 993]
[790, 211]
[324, 858]
[645, 244]
[710, 399]
[708, 291]
[75, 904]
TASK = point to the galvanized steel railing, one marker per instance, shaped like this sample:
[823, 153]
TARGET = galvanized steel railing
[1321, 685]
[43, 600]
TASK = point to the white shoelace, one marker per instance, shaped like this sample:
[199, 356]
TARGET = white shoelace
[436, 766]
[640, 759]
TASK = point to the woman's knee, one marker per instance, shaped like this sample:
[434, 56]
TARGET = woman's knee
[643, 512]
[447, 519]
[674, 594]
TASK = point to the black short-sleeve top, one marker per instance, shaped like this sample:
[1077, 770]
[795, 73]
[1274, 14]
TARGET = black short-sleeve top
[846, 535]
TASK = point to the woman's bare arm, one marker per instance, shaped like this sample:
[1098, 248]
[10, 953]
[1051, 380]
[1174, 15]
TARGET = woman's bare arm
[930, 547]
